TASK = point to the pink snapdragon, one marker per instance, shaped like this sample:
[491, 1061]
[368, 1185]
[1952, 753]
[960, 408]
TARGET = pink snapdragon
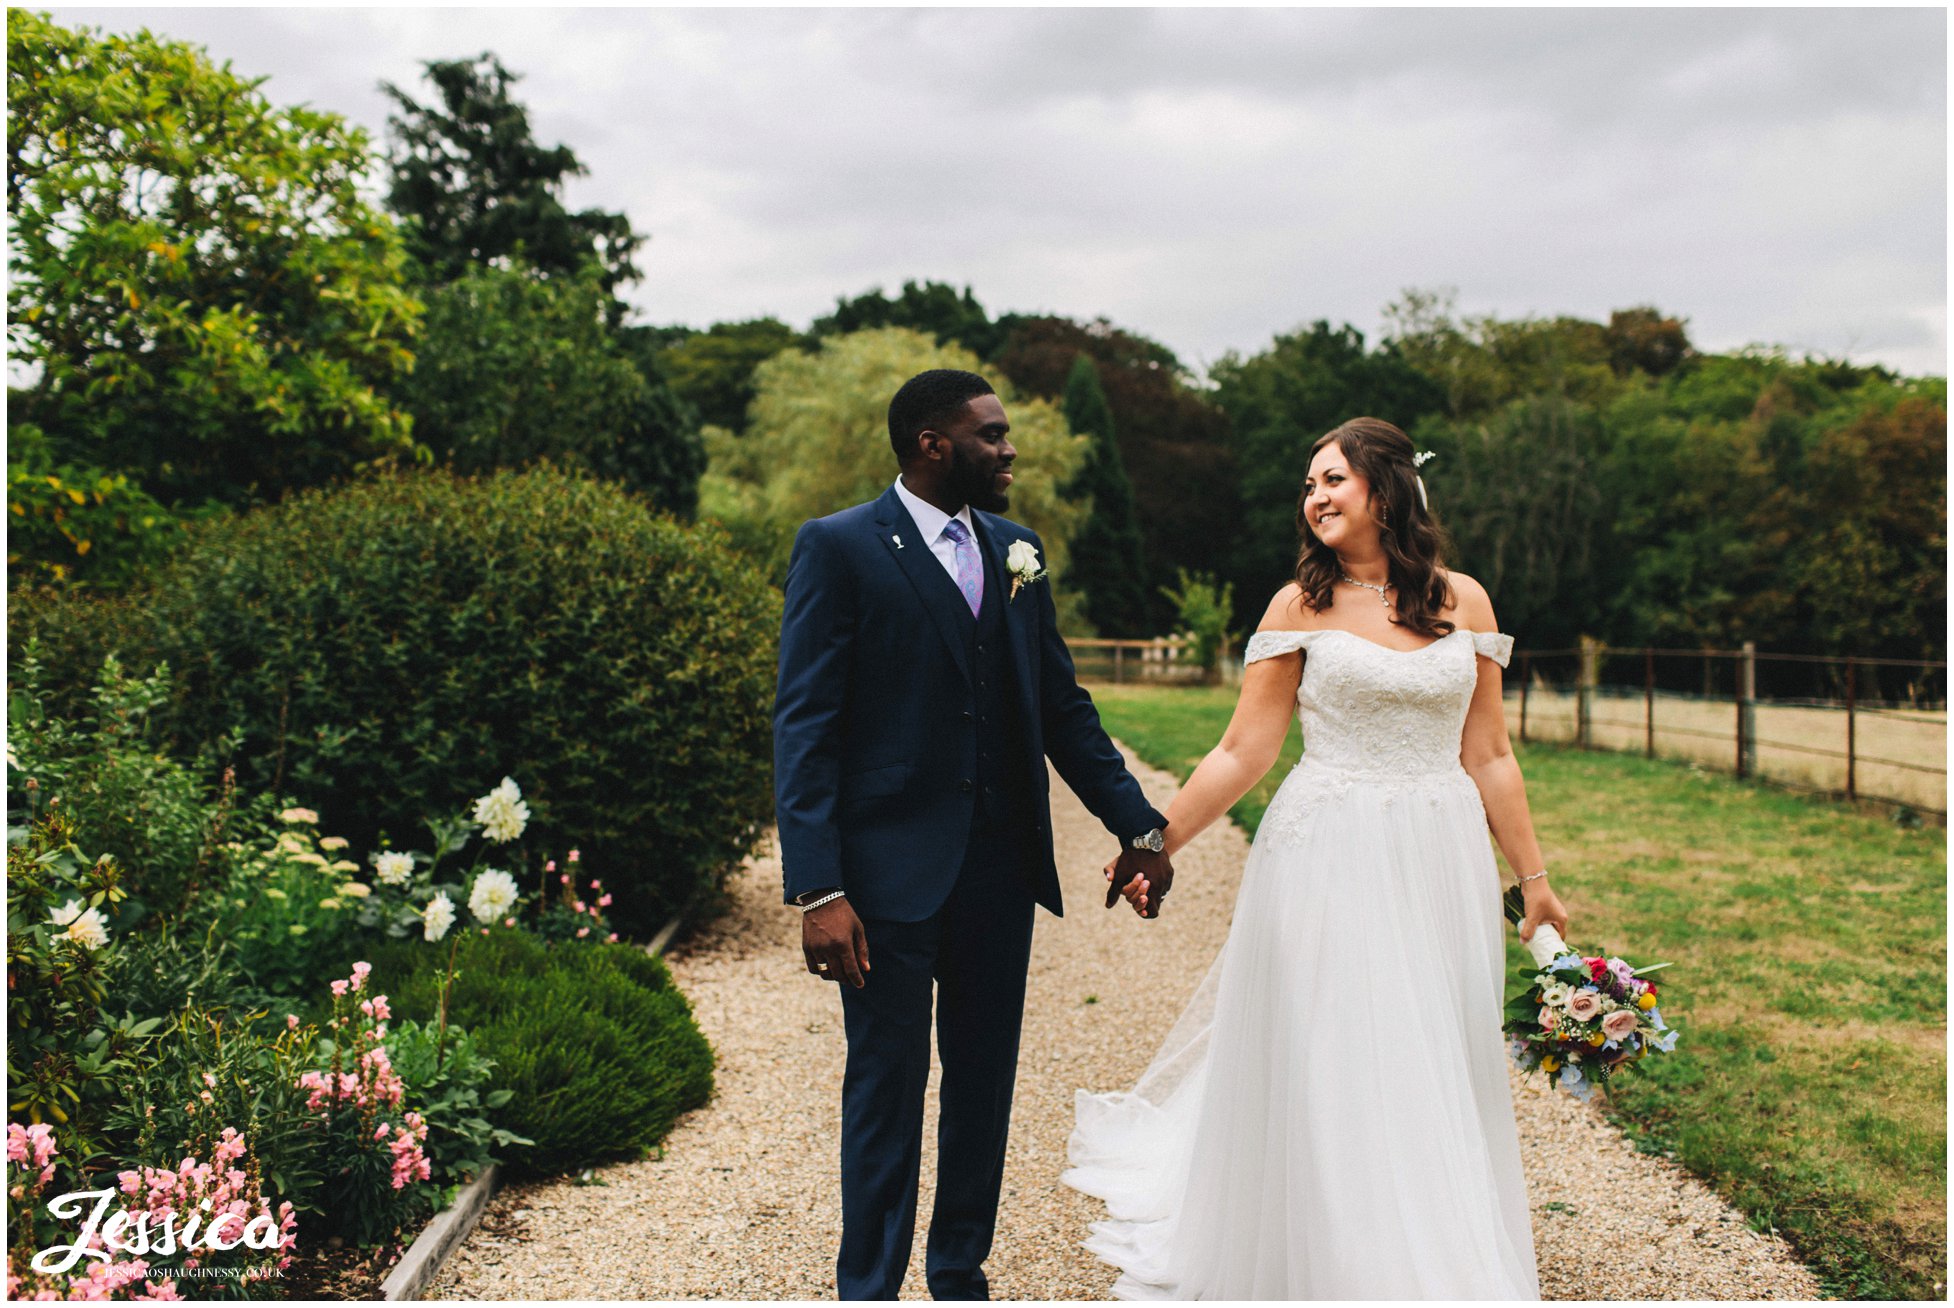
[410, 1161]
[185, 1204]
[33, 1148]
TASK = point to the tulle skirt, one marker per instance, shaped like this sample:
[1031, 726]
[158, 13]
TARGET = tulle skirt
[1330, 1118]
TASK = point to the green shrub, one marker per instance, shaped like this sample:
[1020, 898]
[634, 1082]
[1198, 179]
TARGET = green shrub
[598, 1046]
[286, 917]
[380, 649]
[1203, 608]
[64, 1046]
[101, 764]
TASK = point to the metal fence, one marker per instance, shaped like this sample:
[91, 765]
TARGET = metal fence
[1855, 728]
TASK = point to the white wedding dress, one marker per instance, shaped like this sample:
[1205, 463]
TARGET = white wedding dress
[1331, 1118]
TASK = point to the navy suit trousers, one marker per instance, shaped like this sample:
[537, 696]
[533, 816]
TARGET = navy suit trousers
[974, 953]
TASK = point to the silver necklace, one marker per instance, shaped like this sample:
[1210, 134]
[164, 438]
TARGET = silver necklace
[1367, 585]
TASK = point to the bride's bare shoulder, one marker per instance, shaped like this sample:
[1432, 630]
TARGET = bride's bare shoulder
[1288, 611]
[1472, 607]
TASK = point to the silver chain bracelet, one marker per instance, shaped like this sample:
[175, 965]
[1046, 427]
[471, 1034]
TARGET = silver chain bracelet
[1535, 877]
[828, 898]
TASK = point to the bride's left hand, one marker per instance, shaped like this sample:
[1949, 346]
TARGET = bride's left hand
[1542, 905]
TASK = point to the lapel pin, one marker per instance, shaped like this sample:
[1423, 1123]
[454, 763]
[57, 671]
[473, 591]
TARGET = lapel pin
[897, 540]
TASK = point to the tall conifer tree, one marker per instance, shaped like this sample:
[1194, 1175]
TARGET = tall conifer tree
[1107, 563]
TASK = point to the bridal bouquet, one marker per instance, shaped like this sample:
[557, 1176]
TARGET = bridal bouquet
[1581, 1020]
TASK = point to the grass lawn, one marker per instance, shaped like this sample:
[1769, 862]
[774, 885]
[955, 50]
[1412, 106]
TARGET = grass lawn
[1810, 1084]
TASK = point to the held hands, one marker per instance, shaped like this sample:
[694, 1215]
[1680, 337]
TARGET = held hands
[834, 943]
[1143, 878]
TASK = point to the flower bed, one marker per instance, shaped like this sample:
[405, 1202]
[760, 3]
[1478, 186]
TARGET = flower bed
[263, 1051]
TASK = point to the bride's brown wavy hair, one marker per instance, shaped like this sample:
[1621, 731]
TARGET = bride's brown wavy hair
[1412, 538]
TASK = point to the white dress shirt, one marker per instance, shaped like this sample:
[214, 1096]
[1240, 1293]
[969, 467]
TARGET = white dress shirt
[931, 520]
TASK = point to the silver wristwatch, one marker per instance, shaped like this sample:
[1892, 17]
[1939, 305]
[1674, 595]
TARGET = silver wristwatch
[1153, 841]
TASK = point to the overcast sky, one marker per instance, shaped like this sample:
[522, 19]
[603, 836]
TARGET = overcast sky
[1213, 177]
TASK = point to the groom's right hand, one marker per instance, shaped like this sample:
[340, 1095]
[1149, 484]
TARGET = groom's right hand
[834, 943]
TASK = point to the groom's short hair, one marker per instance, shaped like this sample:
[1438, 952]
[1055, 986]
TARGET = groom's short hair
[927, 400]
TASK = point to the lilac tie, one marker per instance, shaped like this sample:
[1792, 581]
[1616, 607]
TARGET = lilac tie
[970, 577]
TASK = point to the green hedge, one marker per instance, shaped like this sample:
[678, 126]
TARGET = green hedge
[389, 650]
[597, 1044]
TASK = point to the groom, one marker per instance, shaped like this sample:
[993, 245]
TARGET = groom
[923, 684]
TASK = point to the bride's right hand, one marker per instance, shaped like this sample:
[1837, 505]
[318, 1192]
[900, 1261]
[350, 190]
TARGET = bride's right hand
[1134, 891]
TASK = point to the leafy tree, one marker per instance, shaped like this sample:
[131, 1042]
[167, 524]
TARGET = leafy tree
[200, 295]
[1483, 364]
[953, 317]
[713, 370]
[1279, 402]
[1172, 437]
[1522, 498]
[1108, 562]
[75, 526]
[1871, 553]
[817, 441]
[1641, 339]
[477, 189]
[1700, 539]
[533, 357]
[517, 368]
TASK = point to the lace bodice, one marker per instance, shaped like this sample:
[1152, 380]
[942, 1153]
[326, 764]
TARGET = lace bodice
[1373, 712]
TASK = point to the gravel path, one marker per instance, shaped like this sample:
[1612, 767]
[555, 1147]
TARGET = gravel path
[744, 1202]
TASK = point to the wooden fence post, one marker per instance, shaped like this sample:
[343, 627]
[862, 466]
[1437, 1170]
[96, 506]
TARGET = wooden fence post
[1747, 711]
[1119, 663]
[1526, 679]
[1648, 702]
[1851, 731]
[1584, 699]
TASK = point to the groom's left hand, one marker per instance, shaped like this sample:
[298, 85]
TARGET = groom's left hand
[1152, 874]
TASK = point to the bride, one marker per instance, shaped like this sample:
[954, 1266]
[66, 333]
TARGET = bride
[1331, 1118]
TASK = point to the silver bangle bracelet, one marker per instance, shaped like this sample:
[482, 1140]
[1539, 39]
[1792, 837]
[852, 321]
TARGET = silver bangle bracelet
[1535, 877]
[828, 898]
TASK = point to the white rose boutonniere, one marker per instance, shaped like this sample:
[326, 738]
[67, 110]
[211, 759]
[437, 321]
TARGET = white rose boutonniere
[1023, 563]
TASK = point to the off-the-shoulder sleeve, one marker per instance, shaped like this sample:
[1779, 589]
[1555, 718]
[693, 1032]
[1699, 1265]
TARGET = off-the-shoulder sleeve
[1269, 644]
[1495, 645]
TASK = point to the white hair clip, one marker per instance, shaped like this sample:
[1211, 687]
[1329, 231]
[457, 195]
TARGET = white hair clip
[1418, 460]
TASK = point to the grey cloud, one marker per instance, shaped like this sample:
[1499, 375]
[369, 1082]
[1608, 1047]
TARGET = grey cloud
[1211, 177]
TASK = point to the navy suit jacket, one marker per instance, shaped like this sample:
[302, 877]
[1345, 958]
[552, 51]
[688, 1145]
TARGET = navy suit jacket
[874, 743]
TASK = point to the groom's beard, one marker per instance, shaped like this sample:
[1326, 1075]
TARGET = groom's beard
[975, 484]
